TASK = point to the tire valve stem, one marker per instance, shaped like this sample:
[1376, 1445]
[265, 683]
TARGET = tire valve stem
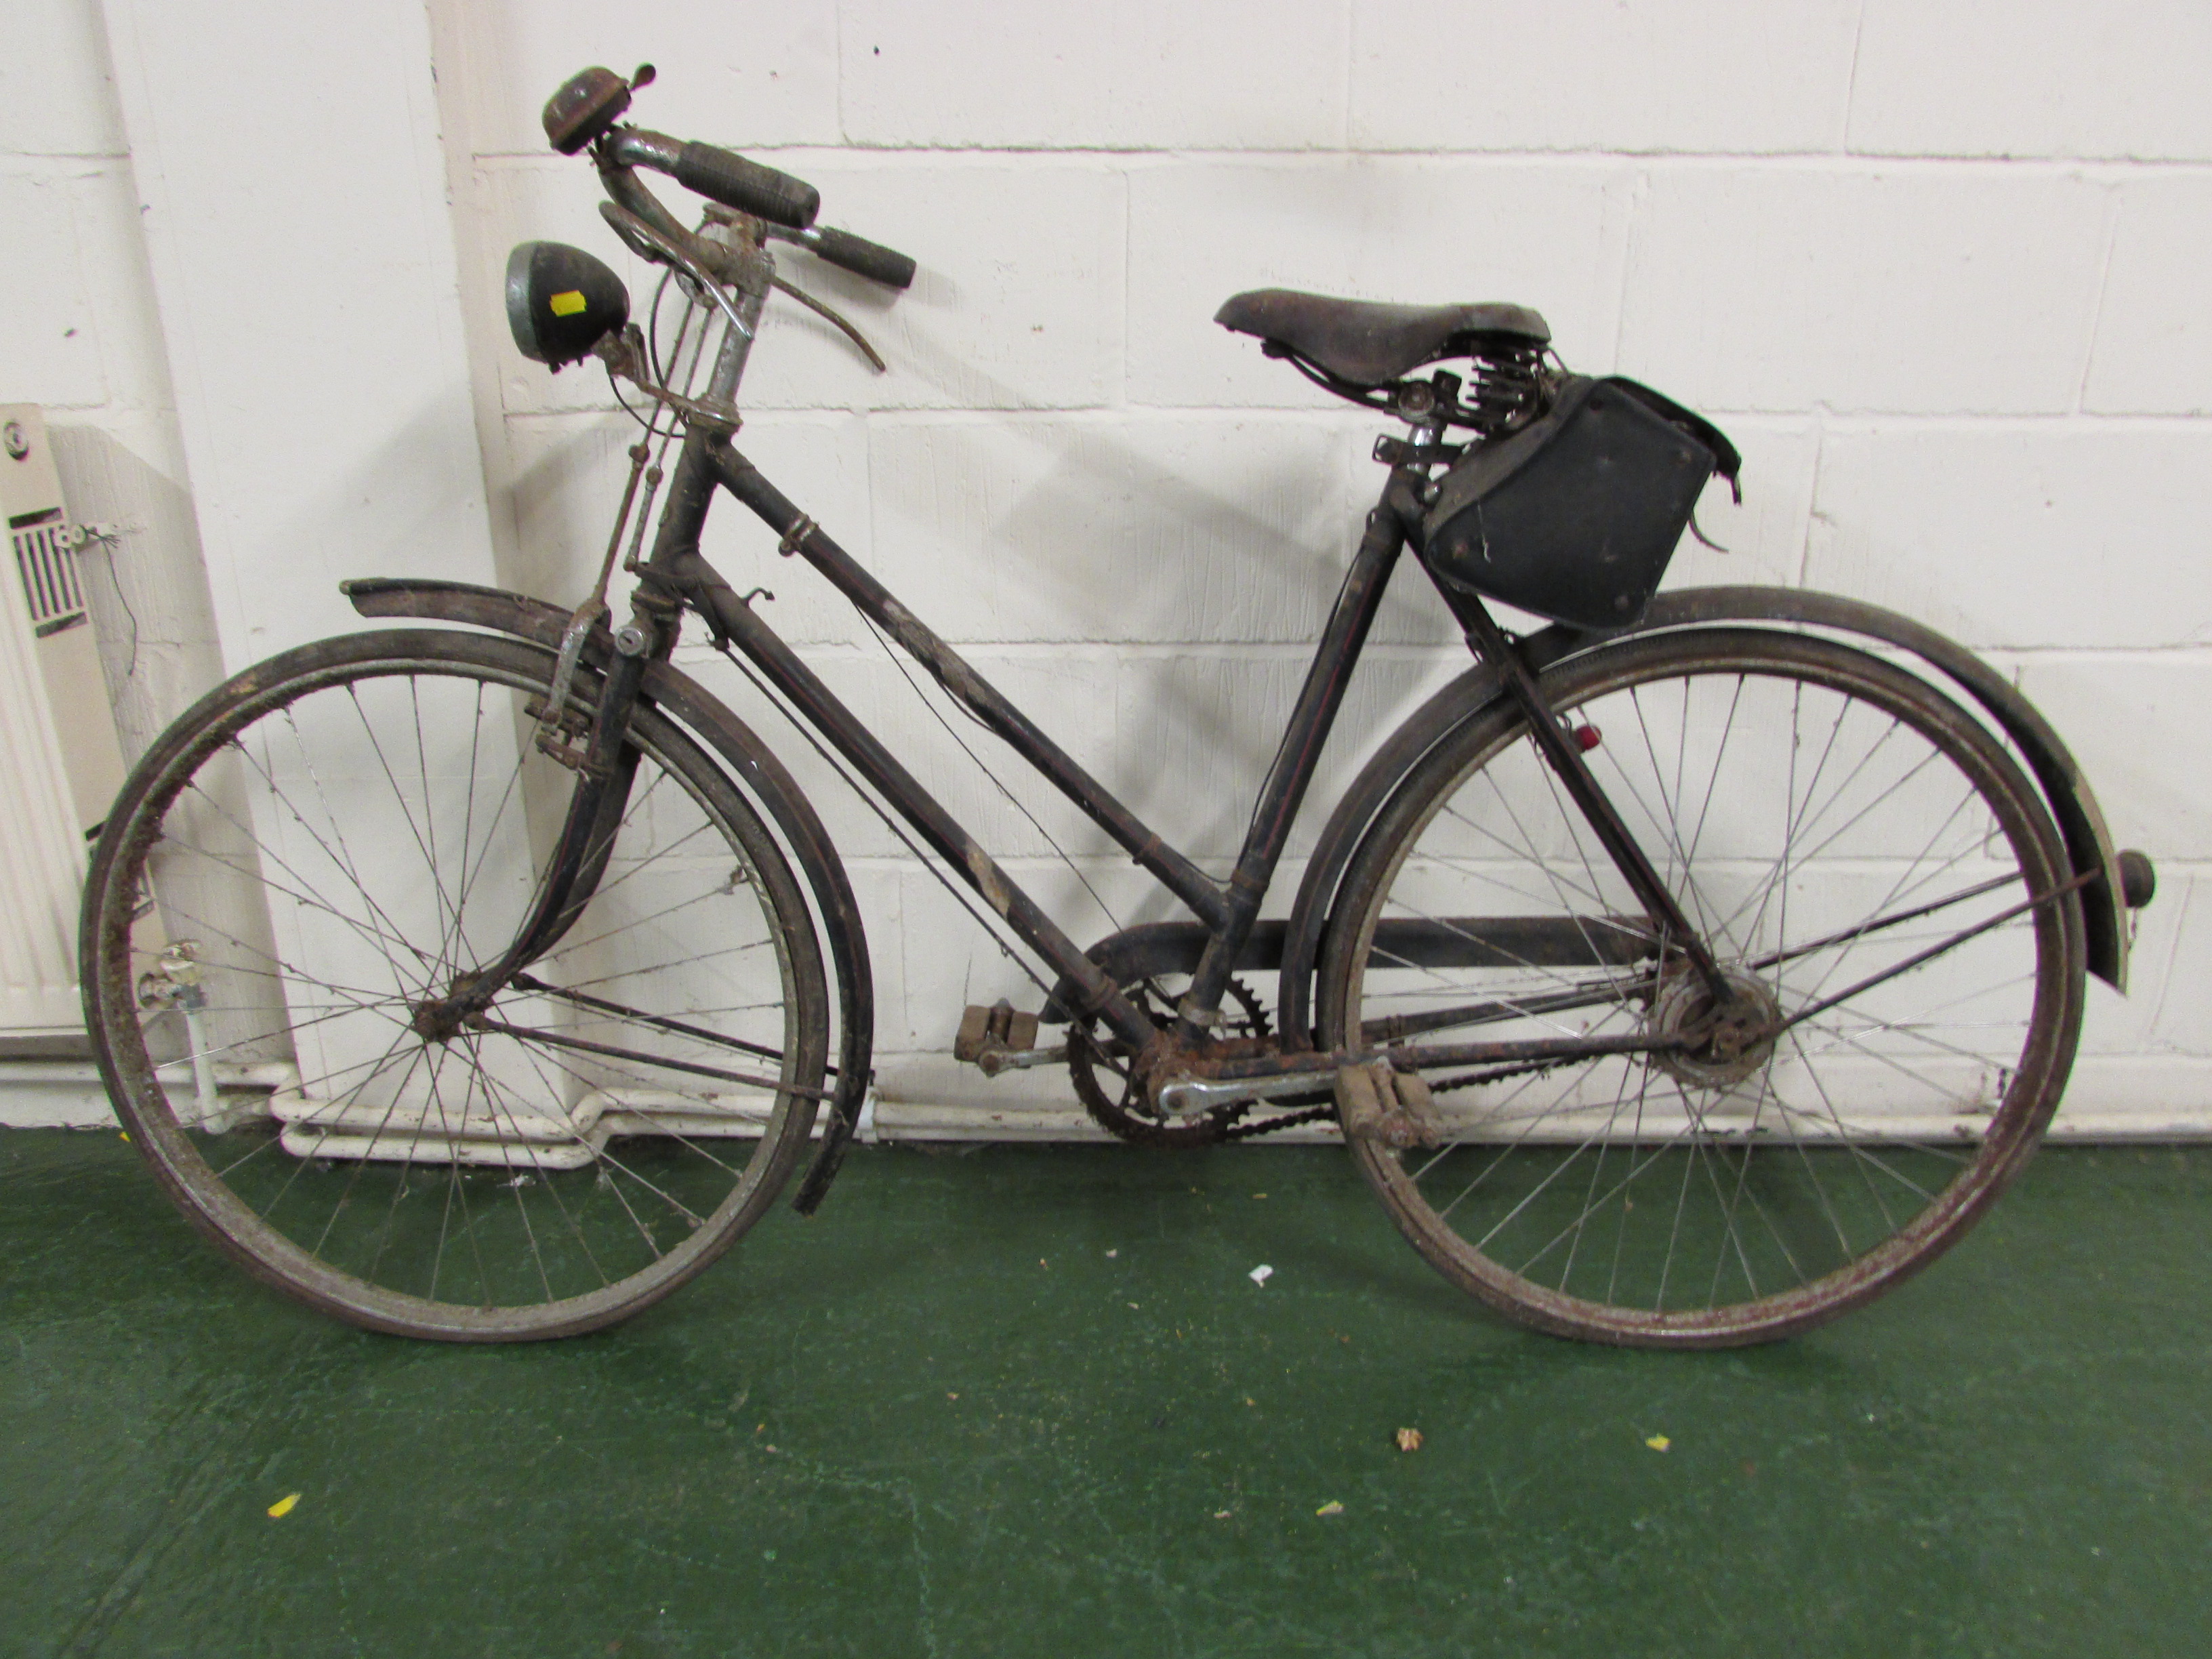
[1587, 738]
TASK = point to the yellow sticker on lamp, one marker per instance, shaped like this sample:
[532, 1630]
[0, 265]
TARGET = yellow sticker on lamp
[568, 304]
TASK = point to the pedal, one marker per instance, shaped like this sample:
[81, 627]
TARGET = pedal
[1392, 1107]
[994, 1037]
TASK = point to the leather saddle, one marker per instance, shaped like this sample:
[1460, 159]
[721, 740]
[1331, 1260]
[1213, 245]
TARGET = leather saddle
[1367, 342]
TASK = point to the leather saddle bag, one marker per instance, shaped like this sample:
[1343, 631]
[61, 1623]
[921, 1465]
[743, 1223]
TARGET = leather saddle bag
[1575, 516]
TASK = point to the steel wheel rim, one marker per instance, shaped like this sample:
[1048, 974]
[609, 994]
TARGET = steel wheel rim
[743, 1182]
[2047, 1029]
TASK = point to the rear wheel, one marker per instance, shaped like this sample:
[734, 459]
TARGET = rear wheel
[1863, 859]
[331, 842]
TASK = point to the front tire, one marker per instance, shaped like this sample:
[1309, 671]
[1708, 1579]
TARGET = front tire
[338, 835]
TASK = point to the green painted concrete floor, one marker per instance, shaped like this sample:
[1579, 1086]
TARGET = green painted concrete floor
[1028, 1401]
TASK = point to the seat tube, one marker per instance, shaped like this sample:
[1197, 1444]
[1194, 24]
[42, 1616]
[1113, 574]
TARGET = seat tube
[1319, 699]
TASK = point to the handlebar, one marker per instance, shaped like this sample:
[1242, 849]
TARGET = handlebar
[584, 111]
[856, 254]
[721, 175]
[724, 176]
[790, 204]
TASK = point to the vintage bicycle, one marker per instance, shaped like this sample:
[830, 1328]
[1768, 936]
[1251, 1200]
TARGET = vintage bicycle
[1691, 969]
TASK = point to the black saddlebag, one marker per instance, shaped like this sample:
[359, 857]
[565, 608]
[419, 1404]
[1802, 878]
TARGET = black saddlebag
[1575, 516]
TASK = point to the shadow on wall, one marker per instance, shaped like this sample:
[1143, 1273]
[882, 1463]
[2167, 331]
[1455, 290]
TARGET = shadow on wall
[147, 588]
[1099, 538]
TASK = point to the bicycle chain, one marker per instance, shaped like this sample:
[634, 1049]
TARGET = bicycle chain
[1230, 1125]
[1237, 1129]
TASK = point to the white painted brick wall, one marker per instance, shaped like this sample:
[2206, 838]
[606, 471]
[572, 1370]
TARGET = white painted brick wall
[1639, 76]
[2007, 532]
[2032, 77]
[79, 334]
[1795, 285]
[2153, 354]
[1125, 75]
[1938, 267]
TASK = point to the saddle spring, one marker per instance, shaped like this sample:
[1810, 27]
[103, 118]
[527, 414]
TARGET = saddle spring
[1507, 387]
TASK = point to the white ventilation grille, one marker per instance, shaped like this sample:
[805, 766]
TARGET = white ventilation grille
[42, 824]
[47, 564]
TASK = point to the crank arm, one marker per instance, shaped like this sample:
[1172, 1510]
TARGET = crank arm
[1196, 1097]
[991, 1061]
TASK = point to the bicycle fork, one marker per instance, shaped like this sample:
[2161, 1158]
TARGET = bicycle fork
[606, 767]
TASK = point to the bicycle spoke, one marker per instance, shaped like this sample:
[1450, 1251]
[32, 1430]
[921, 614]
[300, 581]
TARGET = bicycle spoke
[555, 1163]
[1863, 865]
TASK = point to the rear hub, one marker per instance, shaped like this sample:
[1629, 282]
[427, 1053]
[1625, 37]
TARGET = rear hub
[1723, 1042]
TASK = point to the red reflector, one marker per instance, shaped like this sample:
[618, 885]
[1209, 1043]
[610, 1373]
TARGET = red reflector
[1587, 737]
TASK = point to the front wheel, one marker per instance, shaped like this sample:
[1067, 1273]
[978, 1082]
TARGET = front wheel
[1886, 896]
[324, 847]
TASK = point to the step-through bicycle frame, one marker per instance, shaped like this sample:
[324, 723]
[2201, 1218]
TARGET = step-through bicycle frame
[1226, 910]
[676, 576]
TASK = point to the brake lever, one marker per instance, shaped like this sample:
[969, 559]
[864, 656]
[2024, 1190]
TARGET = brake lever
[822, 310]
[649, 244]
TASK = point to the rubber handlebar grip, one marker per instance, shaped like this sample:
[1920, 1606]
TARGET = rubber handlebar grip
[722, 176]
[860, 256]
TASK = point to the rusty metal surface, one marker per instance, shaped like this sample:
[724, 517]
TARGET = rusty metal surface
[584, 106]
[1175, 947]
[2089, 844]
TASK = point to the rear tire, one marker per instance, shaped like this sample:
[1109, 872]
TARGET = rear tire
[335, 835]
[1821, 818]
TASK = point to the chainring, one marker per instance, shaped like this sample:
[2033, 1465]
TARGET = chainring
[1098, 1063]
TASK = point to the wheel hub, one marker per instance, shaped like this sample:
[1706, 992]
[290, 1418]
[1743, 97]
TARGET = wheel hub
[439, 1019]
[1726, 1042]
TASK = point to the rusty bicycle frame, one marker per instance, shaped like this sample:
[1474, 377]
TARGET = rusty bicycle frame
[676, 576]
[1227, 911]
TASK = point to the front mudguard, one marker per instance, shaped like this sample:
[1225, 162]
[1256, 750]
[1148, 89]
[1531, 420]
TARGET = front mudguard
[707, 717]
[2088, 845]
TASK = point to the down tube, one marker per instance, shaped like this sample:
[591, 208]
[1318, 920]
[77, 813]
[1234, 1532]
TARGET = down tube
[971, 690]
[826, 715]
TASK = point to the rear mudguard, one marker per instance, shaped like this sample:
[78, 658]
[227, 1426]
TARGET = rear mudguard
[707, 717]
[2088, 846]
